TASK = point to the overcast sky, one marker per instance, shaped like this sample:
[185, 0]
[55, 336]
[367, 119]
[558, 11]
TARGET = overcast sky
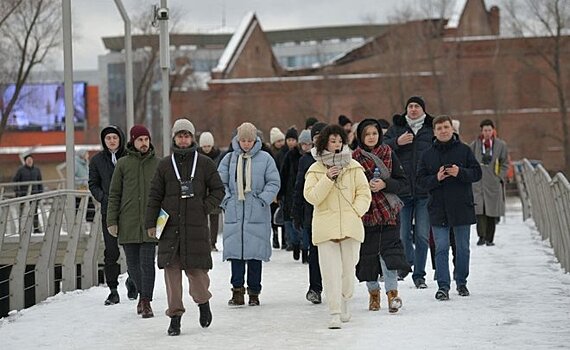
[94, 19]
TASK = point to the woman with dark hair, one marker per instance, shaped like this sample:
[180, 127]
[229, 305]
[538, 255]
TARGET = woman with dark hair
[382, 249]
[337, 188]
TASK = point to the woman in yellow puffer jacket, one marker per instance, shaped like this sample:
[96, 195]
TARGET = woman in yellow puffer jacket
[338, 189]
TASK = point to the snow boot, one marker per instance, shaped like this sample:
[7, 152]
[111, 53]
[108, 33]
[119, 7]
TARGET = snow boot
[253, 297]
[335, 322]
[314, 297]
[442, 294]
[205, 314]
[463, 291]
[237, 297]
[113, 298]
[140, 307]
[174, 328]
[374, 301]
[394, 301]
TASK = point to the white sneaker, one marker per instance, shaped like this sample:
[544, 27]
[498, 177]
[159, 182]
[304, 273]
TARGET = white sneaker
[344, 311]
[335, 322]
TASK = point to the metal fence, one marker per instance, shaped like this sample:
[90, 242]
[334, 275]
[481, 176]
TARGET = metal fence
[47, 246]
[547, 200]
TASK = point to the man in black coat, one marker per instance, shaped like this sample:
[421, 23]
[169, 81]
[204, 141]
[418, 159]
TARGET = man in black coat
[101, 170]
[409, 136]
[447, 171]
[28, 172]
[188, 187]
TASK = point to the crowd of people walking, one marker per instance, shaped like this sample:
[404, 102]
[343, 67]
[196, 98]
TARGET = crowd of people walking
[352, 200]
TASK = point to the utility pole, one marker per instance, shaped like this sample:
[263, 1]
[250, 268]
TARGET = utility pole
[162, 15]
[68, 88]
[128, 66]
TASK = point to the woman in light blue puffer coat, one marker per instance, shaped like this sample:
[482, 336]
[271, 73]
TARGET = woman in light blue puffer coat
[251, 181]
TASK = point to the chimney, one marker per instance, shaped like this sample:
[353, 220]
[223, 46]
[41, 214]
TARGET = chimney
[495, 20]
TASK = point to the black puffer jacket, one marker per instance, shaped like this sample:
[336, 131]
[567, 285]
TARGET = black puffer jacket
[451, 200]
[302, 210]
[288, 175]
[101, 168]
[186, 233]
[410, 154]
[26, 174]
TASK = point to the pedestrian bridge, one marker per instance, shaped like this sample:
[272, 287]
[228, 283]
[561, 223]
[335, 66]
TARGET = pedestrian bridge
[520, 299]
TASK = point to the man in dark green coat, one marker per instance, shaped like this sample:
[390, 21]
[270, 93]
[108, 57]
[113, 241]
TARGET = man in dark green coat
[188, 187]
[128, 196]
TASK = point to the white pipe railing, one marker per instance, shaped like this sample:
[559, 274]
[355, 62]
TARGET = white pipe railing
[547, 201]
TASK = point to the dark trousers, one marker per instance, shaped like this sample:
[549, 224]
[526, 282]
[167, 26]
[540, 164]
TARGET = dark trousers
[253, 274]
[140, 262]
[486, 227]
[315, 279]
[112, 254]
[214, 227]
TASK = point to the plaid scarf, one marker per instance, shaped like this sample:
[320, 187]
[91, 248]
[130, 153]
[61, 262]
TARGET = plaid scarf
[380, 211]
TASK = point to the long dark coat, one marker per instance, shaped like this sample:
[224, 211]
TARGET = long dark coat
[186, 235]
[451, 200]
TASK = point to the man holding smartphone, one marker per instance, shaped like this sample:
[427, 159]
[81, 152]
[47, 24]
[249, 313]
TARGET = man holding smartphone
[447, 170]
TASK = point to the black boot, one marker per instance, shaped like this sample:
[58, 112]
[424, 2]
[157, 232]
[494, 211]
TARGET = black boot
[275, 239]
[174, 328]
[296, 252]
[205, 314]
[305, 256]
[132, 292]
[113, 298]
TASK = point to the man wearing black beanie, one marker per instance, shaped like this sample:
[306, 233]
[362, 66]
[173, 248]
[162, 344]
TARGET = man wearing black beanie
[345, 123]
[410, 136]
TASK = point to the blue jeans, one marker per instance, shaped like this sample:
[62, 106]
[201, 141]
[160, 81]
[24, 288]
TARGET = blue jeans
[253, 274]
[390, 279]
[441, 237]
[417, 209]
[293, 235]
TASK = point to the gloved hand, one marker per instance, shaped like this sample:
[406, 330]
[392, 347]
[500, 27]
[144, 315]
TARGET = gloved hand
[151, 232]
[113, 230]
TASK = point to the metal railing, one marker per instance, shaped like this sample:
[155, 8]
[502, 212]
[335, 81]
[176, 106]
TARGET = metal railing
[12, 189]
[547, 200]
[47, 246]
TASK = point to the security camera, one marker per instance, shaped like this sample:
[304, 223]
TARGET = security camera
[162, 14]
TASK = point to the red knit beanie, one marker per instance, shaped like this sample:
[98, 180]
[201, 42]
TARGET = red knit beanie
[138, 131]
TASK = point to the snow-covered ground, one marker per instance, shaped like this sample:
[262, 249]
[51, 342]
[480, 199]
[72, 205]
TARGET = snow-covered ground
[520, 299]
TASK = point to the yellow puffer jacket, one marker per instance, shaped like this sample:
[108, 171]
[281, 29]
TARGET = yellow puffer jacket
[338, 205]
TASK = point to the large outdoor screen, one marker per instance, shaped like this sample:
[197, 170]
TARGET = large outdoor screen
[41, 107]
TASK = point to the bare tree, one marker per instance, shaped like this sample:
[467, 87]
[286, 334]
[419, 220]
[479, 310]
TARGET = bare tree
[29, 31]
[550, 19]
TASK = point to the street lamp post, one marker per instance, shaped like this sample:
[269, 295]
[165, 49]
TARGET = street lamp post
[162, 16]
[128, 65]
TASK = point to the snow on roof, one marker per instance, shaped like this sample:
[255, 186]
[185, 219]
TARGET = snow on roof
[233, 45]
[456, 13]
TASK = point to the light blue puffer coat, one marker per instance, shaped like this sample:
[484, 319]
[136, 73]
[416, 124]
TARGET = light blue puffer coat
[247, 224]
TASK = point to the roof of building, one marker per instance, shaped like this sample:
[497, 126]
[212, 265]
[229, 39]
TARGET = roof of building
[116, 43]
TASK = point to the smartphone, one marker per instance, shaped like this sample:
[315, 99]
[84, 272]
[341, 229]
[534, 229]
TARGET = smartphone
[446, 166]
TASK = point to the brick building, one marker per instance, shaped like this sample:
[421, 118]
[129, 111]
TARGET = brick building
[462, 67]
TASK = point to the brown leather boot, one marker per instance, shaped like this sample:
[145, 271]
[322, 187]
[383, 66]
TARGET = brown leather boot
[146, 309]
[394, 301]
[253, 298]
[374, 301]
[237, 297]
[140, 307]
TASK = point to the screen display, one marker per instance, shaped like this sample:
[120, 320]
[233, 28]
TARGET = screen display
[41, 107]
